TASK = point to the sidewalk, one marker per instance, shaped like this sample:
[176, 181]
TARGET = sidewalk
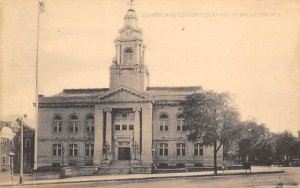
[255, 170]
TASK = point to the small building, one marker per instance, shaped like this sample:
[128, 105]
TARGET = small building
[7, 136]
[10, 143]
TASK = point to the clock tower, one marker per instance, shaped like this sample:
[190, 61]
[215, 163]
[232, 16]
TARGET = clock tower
[128, 68]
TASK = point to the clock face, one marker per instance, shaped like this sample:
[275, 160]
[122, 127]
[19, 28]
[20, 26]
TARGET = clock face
[128, 31]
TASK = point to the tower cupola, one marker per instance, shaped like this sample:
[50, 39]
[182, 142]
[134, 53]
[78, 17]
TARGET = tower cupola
[128, 66]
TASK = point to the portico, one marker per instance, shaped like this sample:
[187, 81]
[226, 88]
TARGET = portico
[125, 127]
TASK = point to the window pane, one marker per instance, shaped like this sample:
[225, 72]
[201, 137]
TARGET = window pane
[160, 151]
[166, 128]
[117, 127]
[166, 152]
[124, 127]
[130, 127]
[178, 152]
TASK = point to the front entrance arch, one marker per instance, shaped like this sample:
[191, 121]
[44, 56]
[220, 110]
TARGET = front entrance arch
[124, 153]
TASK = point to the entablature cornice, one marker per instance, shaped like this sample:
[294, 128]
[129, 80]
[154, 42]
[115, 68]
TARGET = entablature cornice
[63, 139]
[90, 104]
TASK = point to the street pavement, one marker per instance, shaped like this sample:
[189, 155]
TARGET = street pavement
[5, 180]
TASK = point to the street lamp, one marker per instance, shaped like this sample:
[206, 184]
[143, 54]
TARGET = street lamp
[11, 155]
[135, 147]
[106, 149]
[19, 120]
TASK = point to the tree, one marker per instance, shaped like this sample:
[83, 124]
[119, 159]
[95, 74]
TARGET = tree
[286, 145]
[210, 117]
[254, 143]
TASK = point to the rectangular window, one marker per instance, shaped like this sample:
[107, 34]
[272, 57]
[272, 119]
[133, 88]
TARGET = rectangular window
[164, 125]
[163, 149]
[56, 150]
[90, 126]
[117, 127]
[3, 160]
[74, 126]
[131, 116]
[124, 127]
[73, 150]
[131, 127]
[58, 126]
[124, 115]
[180, 149]
[89, 149]
[198, 149]
[180, 126]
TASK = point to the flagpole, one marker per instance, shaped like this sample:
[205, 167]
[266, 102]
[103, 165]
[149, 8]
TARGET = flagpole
[36, 86]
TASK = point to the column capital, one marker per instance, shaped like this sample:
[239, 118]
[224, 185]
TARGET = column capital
[99, 107]
[108, 109]
[136, 109]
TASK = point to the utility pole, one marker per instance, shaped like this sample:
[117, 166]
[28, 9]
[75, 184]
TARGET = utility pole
[20, 122]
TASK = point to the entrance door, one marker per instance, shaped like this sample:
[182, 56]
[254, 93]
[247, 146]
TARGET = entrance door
[124, 153]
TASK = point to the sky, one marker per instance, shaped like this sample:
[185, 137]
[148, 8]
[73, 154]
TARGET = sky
[248, 48]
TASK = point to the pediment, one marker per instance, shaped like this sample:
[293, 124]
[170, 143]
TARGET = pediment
[124, 94]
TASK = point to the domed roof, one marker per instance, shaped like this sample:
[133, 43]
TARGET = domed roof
[130, 14]
[7, 132]
[130, 18]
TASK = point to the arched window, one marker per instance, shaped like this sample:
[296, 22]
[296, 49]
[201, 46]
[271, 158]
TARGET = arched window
[128, 55]
[180, 126]
[89, 123]
[164, 122]
[73, 123]
[57, 127]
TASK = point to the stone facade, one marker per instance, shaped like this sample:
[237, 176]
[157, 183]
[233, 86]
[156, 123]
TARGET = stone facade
[129, 121]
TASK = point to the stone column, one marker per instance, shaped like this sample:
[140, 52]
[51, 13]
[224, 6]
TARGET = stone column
[140, 50]
[118, 54]
[137, 54]
[146, 153]
[109, 130]
[137, 129]
[137, 125]
[98, 142]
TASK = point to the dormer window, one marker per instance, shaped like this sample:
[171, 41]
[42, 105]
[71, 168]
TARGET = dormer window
[128, 55]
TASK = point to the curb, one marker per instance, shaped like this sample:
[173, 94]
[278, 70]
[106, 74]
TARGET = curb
[138, 178]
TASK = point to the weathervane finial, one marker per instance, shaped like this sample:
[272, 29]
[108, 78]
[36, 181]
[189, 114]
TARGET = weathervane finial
[131, 4]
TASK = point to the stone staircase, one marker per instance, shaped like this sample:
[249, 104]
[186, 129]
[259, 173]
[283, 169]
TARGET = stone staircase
[117, 167]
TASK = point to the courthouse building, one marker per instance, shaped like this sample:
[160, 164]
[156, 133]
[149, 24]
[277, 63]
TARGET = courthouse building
[128, 122]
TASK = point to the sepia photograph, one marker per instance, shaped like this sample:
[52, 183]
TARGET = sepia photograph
[140, 93]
